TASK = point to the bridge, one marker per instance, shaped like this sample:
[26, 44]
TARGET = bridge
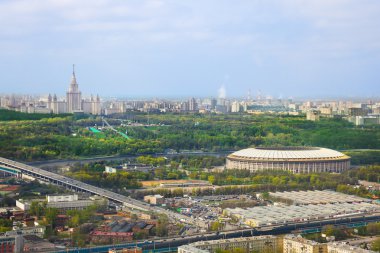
[20, 170]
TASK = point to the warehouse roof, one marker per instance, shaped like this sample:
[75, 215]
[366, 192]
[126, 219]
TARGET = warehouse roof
[270, 215]
[317, 197]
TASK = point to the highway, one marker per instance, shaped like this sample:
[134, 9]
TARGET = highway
[78, 186]
[64, 162]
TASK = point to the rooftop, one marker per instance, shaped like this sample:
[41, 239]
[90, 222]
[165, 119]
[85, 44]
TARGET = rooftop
[288, 153]
[270, 215]
[317, 197]
[239, 239]
[348, 248]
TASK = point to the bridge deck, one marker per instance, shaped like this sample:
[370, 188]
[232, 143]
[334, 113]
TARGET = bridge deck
[16, 167]
[12, 166]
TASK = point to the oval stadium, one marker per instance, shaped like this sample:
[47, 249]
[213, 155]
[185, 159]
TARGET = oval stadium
[292, 159]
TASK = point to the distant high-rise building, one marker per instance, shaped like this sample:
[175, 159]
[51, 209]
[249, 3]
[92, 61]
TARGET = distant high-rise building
[185, 106]
[357, 111]
[213, 103]
[74, 96]
[193, 105]
[235, 106]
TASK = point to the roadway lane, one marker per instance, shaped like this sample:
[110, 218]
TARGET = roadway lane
[76, 185]
[65, 162]
[72, 183]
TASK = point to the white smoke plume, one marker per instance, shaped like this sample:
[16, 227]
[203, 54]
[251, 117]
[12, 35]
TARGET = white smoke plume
[222, 92]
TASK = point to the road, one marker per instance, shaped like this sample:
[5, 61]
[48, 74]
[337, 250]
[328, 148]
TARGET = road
[75, 185]
[65, 162]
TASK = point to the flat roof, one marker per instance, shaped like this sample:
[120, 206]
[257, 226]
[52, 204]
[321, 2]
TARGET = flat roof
[317, 197]
[265, 215]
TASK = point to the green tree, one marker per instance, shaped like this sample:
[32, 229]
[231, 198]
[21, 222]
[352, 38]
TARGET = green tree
[51, 216]
[265, 195]
[376, 245]
[216, 226]
[37, 208]
[74, 220]
[373, 228]
[162, 225]
[211, 179]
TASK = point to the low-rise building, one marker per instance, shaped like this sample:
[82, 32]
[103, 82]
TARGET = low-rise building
[154, 199]
[315, 197]
[193, 183]
[111, 170]
[14, 244]
[191, 249]
[37, 231]
[33, 243]
[312, 115]
[100, 237]
[297, 244]
[23, 205]
[63, 202]
[327, 111]
[62, 198]
[364, 120]
[282, 214]
[71, 205]
[7, 243]
[268, 243]
[337, 247]
[129, 250]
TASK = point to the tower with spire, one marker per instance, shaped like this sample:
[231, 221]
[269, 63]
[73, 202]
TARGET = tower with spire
[74, 96]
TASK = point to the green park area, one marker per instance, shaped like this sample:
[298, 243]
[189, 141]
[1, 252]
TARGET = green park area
[28, 137]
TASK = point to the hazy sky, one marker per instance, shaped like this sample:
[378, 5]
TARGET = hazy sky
[191, 48]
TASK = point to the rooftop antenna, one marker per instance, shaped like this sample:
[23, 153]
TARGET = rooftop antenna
[73, 69]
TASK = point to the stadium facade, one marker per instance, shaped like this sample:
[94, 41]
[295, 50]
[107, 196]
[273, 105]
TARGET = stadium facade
[293, 159]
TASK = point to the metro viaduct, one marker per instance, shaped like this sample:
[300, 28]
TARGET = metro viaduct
[170, 244]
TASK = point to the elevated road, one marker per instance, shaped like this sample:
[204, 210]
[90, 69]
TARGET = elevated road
[20, 169]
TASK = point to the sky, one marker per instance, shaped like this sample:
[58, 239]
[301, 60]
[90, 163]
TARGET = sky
[184, 48]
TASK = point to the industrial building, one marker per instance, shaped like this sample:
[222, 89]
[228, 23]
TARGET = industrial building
[282, 214]
[36, 231]
[63, 202]
[316, 197]
[62, 198]
[293, 159]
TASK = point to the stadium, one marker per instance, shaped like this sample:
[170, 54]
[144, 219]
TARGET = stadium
[293, 159]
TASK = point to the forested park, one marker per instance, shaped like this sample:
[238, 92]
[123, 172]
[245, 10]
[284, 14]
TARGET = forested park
[27, 137]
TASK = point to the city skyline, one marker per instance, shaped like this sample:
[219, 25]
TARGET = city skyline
[169, 49]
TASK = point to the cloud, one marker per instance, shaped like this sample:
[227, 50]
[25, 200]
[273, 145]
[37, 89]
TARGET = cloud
[246, 36]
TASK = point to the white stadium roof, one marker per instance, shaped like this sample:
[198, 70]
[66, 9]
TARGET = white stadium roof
[288, 153]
